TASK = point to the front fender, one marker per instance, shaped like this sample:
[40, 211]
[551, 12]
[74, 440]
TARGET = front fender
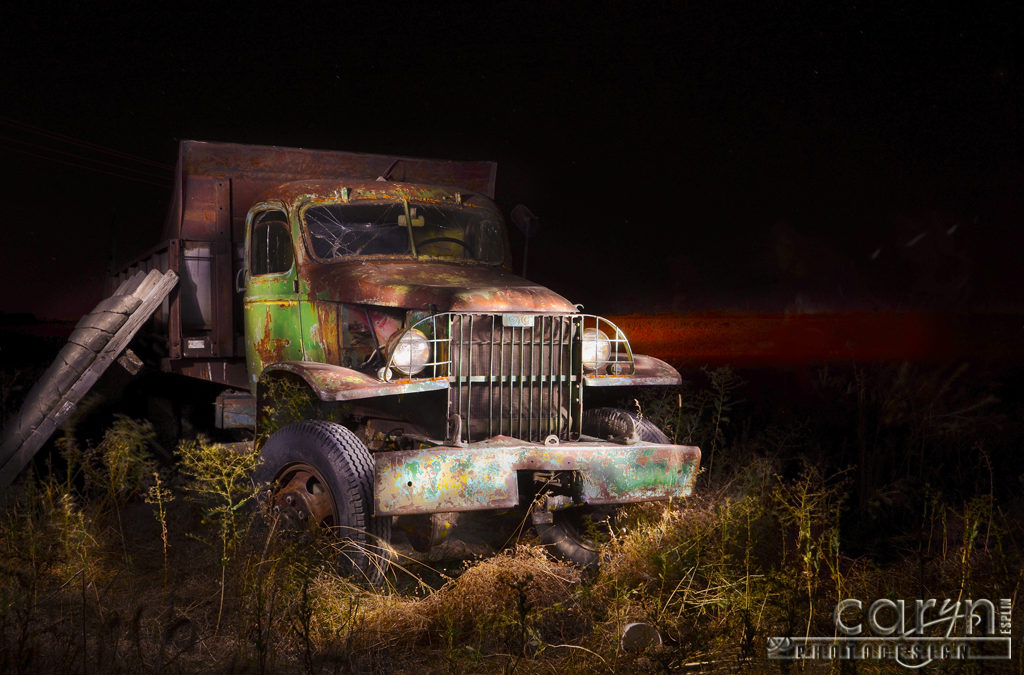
[337, 383]
[647, 371]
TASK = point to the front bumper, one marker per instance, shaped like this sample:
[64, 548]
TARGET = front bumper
[483, 475]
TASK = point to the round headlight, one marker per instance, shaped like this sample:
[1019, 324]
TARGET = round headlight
[596, 348]
[410, 353]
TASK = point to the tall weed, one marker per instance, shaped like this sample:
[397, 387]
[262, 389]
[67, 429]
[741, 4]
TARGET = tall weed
[219, 478]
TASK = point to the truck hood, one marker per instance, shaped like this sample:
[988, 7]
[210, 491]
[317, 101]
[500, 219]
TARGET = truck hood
[421, 285]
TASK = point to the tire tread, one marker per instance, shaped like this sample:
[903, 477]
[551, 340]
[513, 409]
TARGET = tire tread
[351, 464]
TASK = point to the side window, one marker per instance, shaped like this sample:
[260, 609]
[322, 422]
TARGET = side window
[271, 244]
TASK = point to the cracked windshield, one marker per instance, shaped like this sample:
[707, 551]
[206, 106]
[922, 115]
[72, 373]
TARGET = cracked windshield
[401, 228]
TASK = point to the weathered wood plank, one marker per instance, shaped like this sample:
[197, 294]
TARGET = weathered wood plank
[122, 304]
[129, 285]
[130, 361]
[108, 322]
[19, 447]
[151, 281]
[69, 366]
[91, 338]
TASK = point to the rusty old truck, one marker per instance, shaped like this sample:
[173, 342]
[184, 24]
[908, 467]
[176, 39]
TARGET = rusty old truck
[377, 292]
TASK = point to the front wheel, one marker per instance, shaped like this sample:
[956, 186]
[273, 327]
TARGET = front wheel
[321, 475]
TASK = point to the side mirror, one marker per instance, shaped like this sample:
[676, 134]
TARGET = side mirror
[524, 219]
[528, 224]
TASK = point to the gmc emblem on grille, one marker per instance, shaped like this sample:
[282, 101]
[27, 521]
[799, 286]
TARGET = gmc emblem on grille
[517, 320]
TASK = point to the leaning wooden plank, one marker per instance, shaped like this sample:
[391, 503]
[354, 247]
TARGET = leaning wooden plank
[91, 338]
[66, 369]
[123, 304]
[109, 322]
[72, 360]
[129, 285]
[15, 453]
[148, 284]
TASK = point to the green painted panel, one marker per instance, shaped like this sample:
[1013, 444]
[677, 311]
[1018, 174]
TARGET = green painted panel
[483, 475]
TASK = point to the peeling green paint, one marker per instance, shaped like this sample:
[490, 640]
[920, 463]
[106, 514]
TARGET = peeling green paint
[329, 324]
[483, 475]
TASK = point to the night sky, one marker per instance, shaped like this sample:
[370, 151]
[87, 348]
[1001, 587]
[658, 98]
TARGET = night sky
[681, 156]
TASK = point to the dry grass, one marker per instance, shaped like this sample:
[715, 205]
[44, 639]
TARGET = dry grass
[167, 573]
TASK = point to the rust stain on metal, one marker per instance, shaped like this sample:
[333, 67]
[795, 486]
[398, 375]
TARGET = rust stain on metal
[325, 191]
[269, 348]
[331, 338]
[422, 284]
[337, 383]
[483, 475]
[254, 169]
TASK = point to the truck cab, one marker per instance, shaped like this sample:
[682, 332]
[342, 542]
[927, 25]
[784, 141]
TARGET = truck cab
[398, 370]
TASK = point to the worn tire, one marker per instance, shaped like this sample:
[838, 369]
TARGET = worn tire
[565, 536]
[346, 466]
[608, 423]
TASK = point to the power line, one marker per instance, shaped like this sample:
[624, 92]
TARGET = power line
[137, 179]
[71, 140]
[149, 173]
[84, 155]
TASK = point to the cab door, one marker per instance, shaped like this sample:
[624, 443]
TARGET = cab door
[272, 329]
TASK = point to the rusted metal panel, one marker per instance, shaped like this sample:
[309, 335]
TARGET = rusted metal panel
[648, 371]
[206, 291]
[206, 226]
[253, 169]
[483, 475]
[207, 209]
[222, 371]
[235, 410]
[443, 286]
[337, 383]
[297, 193]
[282, 164]
[329, 333]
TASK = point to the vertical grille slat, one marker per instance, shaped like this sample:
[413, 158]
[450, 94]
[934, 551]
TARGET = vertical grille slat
[462, 360]
[562, 338]
[531, 380]
[551, 375]
[522, 372]
[501, 383]
[490, 378]
[469, 388]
